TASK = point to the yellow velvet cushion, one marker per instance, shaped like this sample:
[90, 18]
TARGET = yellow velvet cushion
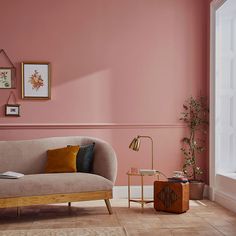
[62, 160]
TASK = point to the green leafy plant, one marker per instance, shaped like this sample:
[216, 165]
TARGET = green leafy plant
[195, 116]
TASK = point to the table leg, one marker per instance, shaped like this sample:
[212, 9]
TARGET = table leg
[18, 211]
[142, 197]
[129, 191]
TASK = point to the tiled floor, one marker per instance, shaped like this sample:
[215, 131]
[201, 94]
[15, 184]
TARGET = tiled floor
[203, 218]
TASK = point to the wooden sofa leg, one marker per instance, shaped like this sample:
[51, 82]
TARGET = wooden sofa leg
[108, 204]
[69, 204]
[18, 211]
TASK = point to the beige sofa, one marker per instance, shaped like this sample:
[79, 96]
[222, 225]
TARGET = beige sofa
[29, 157]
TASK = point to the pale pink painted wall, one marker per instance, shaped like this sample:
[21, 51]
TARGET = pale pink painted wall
[113, 61]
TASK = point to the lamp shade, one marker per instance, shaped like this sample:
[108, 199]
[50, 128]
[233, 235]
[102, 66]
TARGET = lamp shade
[135, 144]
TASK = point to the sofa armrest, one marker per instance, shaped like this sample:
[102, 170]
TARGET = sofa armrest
[105, 162]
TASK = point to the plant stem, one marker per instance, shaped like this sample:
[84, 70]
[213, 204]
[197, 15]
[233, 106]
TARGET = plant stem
[193, 154]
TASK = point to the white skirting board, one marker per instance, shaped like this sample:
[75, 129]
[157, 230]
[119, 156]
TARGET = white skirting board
[225, 200]
[121, 192]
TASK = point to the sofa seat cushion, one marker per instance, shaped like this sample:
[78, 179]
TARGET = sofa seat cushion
[56, 183]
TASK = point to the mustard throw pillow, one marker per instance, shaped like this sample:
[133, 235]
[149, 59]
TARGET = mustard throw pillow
[62, 160]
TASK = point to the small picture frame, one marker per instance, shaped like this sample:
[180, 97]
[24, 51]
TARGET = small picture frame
[12, 110]
[6, 78]
[36, 80]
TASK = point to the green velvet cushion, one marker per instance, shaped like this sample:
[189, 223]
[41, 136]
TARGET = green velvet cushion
[84, 160]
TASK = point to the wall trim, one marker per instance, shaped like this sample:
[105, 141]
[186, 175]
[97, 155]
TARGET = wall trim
[218, 3]
[211, 193]
[121, 192]
[225, 200]
[214, 6]
[90, 126]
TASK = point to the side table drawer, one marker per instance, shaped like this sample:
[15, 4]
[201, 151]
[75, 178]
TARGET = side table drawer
[171, 196]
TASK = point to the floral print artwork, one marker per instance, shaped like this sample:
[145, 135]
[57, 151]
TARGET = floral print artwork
[5, 79]
[36, 80]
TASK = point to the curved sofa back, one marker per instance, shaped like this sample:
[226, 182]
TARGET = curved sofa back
[29, 156]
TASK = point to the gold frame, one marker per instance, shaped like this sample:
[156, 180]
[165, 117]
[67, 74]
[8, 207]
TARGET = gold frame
[12, 82]
[49, 80]
[141, 200]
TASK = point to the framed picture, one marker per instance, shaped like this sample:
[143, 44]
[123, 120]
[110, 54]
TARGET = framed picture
[12, 110]
[5, 78]
[36, 81]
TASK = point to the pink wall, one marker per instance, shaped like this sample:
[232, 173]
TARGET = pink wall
[117, 62]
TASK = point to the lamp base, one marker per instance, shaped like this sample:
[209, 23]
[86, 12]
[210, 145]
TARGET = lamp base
[147, 172]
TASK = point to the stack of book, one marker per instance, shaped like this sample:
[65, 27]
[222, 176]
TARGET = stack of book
[178, 177]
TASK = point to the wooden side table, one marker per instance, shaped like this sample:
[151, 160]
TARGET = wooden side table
[141, 201]
[171, 196]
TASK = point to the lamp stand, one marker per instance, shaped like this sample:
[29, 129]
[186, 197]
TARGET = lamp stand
[145, 136]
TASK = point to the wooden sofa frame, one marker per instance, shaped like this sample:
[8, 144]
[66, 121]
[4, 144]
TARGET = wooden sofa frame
[56, 198]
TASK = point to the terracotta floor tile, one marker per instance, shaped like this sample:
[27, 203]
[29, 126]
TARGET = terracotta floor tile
[228, 230]
[149, 232]
[195, 232]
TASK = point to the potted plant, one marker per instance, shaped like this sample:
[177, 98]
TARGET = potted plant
[195, 116]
